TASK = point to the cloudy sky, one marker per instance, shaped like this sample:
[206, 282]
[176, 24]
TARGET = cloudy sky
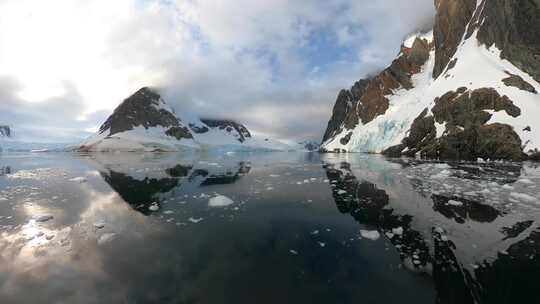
[275, 65]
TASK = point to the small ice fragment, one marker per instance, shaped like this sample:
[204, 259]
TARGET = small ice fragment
[270, 188]
[99, 225]
[79, 179]
[525, 181]
[322, 244]
[154, 207]
[397, 231]
[168, 212]
[370, 234]
[49, 237]
[220, 201]
[315, 232]
[341, 191]
[294, 252]
[43, 218]
[195, 220]
[105, 238]
[454, 203]
[389, 235]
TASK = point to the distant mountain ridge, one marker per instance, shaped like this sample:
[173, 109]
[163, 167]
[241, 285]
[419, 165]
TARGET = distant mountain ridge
[466, 90]
[144, 122]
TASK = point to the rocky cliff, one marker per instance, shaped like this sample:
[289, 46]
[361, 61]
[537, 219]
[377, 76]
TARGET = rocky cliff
[467, 90]
[5, 131]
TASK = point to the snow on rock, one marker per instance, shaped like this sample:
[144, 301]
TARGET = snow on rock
[220, 201]
[474, 66]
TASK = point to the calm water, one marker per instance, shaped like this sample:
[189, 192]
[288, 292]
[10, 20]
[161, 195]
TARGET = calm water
[302, 228]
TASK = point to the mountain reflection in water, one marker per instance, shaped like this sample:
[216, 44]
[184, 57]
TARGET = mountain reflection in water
[449, 232]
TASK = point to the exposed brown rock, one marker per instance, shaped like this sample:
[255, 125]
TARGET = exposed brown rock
[179, 132]
[467, 136]
[450, 23]
[345, 140]
[229, 126]
[518, 82]
[143, 109]
[513, 26]
[367, 99]
[345, 102]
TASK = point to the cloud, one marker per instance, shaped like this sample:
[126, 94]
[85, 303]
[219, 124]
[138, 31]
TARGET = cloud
[274, 65]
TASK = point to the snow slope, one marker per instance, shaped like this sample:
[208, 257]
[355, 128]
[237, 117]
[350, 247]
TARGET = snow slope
[477, 67]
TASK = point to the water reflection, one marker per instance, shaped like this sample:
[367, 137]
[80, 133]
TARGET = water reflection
[475, 253]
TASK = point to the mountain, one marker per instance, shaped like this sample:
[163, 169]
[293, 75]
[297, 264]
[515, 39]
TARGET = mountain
[144, 122]
[466, 90]
[5, 131]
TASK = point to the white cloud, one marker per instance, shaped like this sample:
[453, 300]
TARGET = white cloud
[239, 58]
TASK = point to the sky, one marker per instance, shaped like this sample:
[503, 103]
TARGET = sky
[274, 65]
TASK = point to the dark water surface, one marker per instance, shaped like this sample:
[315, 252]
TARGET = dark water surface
[302, 228]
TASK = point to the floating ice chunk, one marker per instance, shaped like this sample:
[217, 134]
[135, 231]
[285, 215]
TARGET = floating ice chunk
[220, 201]
[168, 212]
[154, 207]
[341, 192]
[79, 179]
[370, 234]
[389, 235]
[106, 237]
[195, 220]
[397, 231]
[315, 232]
[99, 225]
[526, 181]
[508, 187]
[480, 160]
[322, 244]
[269, 188]
[43, 218]
[524, 197]
[294, 252]
[454, 203]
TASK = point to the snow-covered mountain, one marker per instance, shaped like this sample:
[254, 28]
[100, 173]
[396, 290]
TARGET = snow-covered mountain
[10, 143]
[466, 90]
[144, 122]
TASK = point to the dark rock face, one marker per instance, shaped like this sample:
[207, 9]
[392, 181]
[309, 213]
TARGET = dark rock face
[5, 131]
[345, 103]
[229, 126]
[518, 82]
[144, 108]
[450, 24]
[367, 98]
[512, 26]
[467, 136]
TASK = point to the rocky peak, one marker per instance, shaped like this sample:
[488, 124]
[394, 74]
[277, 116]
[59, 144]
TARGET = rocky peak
[367, 99]
[238, 130]
[5, 131]
[450, 24]
[144, 108]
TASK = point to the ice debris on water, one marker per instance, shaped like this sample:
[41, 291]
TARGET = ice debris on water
[154, 207]
[195, 220]
[370, 234]
[322, 244]
[454, 203]
[99, 225]
[294, 252]
[79, 179]
[106, 237]
[220, 201]
[43, 218]
[397, 231]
